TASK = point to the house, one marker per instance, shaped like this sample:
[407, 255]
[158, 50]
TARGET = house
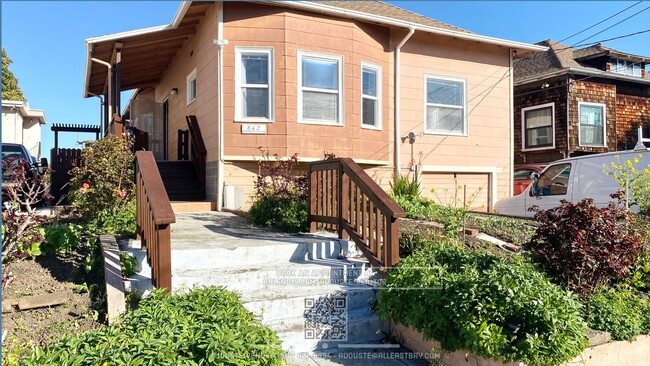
[571, 102]
[389, 88]
[22, 125]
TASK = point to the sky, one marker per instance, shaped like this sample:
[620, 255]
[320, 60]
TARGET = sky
[46, 39]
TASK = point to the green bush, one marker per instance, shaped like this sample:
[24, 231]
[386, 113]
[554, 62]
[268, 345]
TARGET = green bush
[61, 237]
[405, 187]
[466, 300]
[103, 185]
[120, 219]
[127, 264]
[618, 310]
[207, 326]
[286, 213]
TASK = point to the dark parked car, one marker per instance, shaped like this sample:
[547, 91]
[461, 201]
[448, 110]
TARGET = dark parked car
[522, 174]
[19, 154]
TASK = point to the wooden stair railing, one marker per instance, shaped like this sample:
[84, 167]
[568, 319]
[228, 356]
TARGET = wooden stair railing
[154, 218]
[343, 196]
[197, 148]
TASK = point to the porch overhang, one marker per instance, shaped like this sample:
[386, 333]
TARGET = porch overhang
[144, 54]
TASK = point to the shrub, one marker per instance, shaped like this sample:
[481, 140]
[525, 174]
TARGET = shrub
[405, 187]
[280, 194]
[207, 326]
[582, 246]
[127, 264]
[489, 306]
[61, 237]
[104, 182]
[120, 219]
[618, 310]
[632, 180]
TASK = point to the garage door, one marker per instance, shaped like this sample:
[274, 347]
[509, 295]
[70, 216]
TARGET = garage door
[455, 189]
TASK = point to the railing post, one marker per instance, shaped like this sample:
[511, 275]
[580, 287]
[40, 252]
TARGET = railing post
[339, 200]
[313, 202]
[164, 257]
[345, 203]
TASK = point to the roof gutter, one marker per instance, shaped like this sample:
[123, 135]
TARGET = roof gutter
[346, 13]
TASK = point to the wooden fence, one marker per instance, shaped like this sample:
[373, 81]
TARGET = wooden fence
[61, 162]
[343, 196]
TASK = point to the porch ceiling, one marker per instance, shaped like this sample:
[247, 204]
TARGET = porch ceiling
[145, 55]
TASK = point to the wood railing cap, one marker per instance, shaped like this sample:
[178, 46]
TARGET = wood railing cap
[161, 208]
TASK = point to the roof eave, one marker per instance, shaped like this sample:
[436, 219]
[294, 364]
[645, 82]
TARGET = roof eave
[404, 24]
[180, 13]
[573, 70]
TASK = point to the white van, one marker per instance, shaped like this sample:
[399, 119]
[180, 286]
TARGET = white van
[572, 179]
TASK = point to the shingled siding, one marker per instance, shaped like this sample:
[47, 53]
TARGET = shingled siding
[630, 112]
[531, 95]
[591, 92]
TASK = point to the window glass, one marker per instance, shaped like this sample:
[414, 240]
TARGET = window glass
[255, 69]
[445, 106]
[322, 74]
[370, 97]
[320, 106]
[369, 82]
[592, 125]
[553, 181]
[255, 102]
[539, 127]
[254, 84]
[191, 87]
[523, 174]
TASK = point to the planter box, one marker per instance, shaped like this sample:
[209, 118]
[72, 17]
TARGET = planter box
[614, 353]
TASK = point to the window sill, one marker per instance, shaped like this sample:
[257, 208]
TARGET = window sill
[190, 102]
[539, 148]
[245, 120]
[444, 133]
[319, 123]
[594, 146]
[374, 128]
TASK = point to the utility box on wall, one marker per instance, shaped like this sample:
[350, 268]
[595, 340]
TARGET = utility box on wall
[233, 197]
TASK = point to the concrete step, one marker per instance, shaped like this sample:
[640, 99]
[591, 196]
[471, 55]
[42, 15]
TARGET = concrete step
[198, 254]
[279, 275]
[272, 305]
[298, 335]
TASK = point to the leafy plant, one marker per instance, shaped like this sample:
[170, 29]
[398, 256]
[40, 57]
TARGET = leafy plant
[280, 194]
[500, 309]
[103, 186]
[207, 326]
[127, 264]
[632, 180]
[405, 187]
[582, 246]
[61, 237]
[618, 310]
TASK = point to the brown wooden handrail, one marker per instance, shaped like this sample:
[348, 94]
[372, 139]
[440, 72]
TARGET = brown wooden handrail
[154, 218]
[197, 148]
[343, 196]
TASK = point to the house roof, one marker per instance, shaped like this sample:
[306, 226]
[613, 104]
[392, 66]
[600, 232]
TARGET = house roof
[25, 111]
[560, 58]
[146, 53]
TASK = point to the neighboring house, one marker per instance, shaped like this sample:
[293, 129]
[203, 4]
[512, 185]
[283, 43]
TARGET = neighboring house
[348, 78]
[22, 125]
[571, 102]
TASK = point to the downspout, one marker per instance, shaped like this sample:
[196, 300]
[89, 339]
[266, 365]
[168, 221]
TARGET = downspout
[220, 42]
[568, 106]
[101, 112]
[110, 67]
[398, 159]
[512, 126]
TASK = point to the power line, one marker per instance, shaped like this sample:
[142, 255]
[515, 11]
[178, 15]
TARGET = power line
[613, 25]
[611, 39]
[602, 21]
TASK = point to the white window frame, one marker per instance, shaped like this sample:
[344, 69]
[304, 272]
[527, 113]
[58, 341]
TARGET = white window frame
[614, 67]
[378, 122]
[239, 115]
[465, 132]
[589, 104]
[301, 89]
[523, 127]
[188, 87]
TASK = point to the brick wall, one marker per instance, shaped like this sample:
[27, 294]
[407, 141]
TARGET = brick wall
[630, 112]
[531, 95]
[592, 92]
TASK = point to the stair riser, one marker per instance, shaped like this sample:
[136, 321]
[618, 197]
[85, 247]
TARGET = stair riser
[184, 196]
[367, 330]
[246, 257]
[277, 309]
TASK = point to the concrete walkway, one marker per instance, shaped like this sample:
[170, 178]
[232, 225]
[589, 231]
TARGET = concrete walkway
[313, 290]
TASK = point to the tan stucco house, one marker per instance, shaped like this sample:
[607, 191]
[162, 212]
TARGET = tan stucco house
[22, 125]
[346, 78]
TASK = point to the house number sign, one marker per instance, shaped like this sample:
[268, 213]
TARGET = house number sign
[253, 129]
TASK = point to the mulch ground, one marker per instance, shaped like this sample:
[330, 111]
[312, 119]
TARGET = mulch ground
[46, 275]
